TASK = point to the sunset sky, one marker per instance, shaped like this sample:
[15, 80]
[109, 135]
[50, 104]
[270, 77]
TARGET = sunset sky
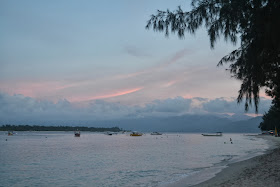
[84, 51]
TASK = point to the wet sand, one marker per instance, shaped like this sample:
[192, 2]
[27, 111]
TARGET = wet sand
[260, 171]
[263, 170]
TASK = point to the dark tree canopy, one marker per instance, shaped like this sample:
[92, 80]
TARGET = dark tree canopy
[271, 119]
[256, 62]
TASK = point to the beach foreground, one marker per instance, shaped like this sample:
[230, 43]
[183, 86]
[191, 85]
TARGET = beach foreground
[263, 170]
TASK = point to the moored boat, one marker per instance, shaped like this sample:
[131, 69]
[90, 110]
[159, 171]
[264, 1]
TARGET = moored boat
[156, 133]
[134, 133]
[213, 134]
[110, 133]
[10, 133]
[77, 133]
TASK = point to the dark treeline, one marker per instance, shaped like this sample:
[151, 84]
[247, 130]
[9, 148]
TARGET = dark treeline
[271, 119]
[56, 128]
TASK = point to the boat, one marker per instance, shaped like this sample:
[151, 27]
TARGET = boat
[213, 134]
[110, 133]
[135, 133]
[156, 133]
[77, 133]
[10, 133]
[270, 132]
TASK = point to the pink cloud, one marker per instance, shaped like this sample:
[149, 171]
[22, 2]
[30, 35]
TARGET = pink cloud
[170, 83]
[253, 114]
[114, 94]
[33, 89]
[188, 96]
[262, 94]
[46, 89]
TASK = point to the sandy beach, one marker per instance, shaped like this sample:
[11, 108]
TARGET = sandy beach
[263, 170]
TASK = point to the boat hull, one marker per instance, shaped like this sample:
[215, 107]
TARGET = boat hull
[10, 133]
[156, 133]
[210, 135]
[136, 135]
[77, 133]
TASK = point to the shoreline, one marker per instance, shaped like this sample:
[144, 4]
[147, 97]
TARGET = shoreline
[261, 170]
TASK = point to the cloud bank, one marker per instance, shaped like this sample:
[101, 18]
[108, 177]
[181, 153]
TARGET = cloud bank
[18, 108]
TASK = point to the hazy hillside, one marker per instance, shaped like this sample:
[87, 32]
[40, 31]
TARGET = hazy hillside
[185, 123]
[250, 125]
[192, 123]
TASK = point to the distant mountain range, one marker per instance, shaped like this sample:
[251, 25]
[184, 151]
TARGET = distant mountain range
[184, 123]
[192, 123]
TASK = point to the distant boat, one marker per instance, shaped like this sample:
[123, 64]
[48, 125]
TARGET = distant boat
[110, 133]
[213, 134]
[77, 133]
[10, 133]
[134, 133]
[156, 133]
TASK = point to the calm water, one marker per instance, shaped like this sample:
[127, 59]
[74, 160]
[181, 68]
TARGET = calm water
[95, 159]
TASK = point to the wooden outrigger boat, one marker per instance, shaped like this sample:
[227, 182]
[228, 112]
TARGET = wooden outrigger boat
[134, 133]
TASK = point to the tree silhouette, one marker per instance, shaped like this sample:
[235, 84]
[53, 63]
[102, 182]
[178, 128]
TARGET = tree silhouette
[271, 119]
[256, 62]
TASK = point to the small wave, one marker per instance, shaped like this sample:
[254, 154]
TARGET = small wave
[175, 177]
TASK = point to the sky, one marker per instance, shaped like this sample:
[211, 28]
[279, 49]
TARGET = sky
[93, 53]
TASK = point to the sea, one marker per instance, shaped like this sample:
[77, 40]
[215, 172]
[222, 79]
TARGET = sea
[96, 159]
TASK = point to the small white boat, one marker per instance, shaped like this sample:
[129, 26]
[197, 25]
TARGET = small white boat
[110, 133]
[156, 133]
[213, 134]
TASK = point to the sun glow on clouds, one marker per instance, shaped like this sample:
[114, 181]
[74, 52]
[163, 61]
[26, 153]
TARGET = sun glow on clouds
[45, 89]
[115, 94]
[170, 83]
[187, 96]
[166, 78]
[253, 114]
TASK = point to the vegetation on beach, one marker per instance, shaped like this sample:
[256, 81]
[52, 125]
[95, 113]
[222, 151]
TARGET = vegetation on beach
[56, 128]
[271, 119]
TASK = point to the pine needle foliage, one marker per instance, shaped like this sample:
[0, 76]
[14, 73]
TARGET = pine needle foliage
[256, 23]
